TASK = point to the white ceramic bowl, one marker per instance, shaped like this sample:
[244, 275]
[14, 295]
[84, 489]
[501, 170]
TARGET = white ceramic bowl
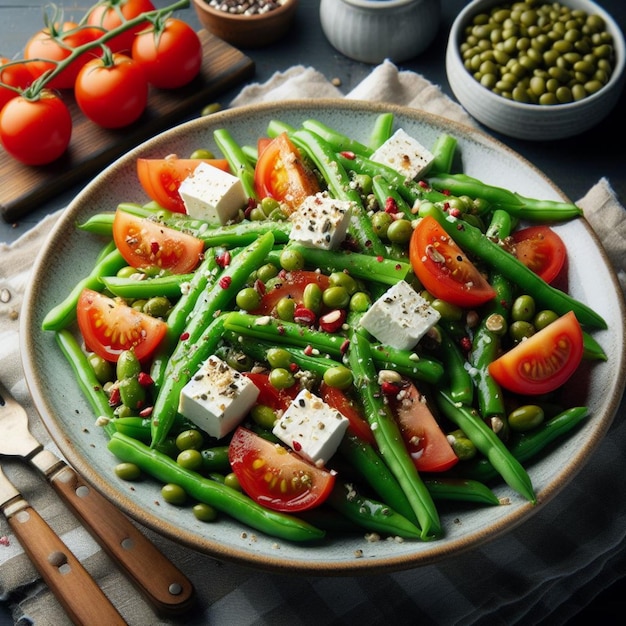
[532, 121]
[371, 31]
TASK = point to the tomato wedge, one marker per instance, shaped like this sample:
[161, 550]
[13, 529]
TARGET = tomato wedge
[109, 326]
[357, 424]
[281, 173]
[292, 285]
[277, 399]
[444, 269]
[275, 477]
[144, 243]
[161, 178]
[426, 442]
[540, 249]
[543, 362]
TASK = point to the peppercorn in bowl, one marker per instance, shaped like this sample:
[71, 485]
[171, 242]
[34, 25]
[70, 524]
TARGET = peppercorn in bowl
[247, 23]
[534, 69]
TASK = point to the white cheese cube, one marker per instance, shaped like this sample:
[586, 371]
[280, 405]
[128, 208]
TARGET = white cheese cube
[212, 195]
[404, 154]
[311, 427]
[400, 317]
[217, 398]
[321, 222]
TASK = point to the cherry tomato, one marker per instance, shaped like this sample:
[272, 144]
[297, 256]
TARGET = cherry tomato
[426, 442]
[35, 132]
[170, 58]
[337, 399]
[106, 15]
[15, 75]
[275, 477]
[109, 326]
[544, 361]
[161, 178]
[144, 243]
[277, 399]
[443, 269]
[281, 173]
[112, 91]
[291, 285]
[56, 44]
[540, 249]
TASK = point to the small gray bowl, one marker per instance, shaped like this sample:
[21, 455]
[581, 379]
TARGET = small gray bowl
[532, 121]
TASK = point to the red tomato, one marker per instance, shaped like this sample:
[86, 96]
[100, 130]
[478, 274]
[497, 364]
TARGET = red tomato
[275, 477]
[426, 442]
[543, 362]
[144, 243]
[443, 269]
[35, 132]
[170, 58]
[109, 326]
[56, 44]
[161, 178]
[281, 173]
[291, 286]
[15, 75]
[112, 92]
[540, 249]
[337, 399]
[106, 15]
[277, 399]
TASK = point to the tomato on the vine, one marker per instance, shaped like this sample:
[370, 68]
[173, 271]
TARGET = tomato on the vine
[444, 269]
[171, 57]
[17, 75]
[109, 326]
[144, 243]
[544, 361]
[276, 477]
[540, 249]
[161, 178]
[38, 131]
[106, 15]
[112, 91]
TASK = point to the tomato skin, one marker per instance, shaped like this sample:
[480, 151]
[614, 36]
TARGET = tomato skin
[443, 269]
[35, 132]
[432, 452]
[266, 472]
[357, 425]
[144, 243]
[277, 399]
[109, 326]
[280, 173]
[105, 16]
[540, 249]
[15, 75]
[544, 361]
[161, 178]
[112, 96]
[171, 58]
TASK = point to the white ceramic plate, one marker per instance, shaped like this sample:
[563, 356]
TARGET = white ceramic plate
[69, 254]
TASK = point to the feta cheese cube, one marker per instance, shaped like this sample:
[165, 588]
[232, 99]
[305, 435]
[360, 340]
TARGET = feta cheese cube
[400, 317]
[405, 155]
[213, 195]
[321, 222]
[217, 398]
[311, 427]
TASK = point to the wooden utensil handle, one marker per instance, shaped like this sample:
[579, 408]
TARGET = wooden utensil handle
[78, 593]
[162, 583]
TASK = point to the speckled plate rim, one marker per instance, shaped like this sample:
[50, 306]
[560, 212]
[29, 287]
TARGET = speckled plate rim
[80, 445]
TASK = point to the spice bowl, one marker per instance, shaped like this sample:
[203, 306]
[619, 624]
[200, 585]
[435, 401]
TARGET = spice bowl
[565, 110]
[371, 31]
[247, 23]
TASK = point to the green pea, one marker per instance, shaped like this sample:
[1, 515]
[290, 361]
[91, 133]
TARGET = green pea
[132, 393]
[285, 308]
[190, 439]
[312, 297]
[157, 306]
[336, 297]
[190, 459]
[544, 318]
[248, 299]
[128, 471]
[267, 271]
[448, 311]
[278, 357]
[123, 410]
[291, 260]
[102, 368]
[521, 330]
[400, 231]
[380, 223]
[496, 324]
[231, 480]
[526, 417]
[281, 378]
[202, 153]
[523, 308]
[263, 415]
[339, 377]
[342, 279]
[173, 494]
[139, 304]
[462, 446]
[363, 183]
[257, 214]
[360, 302]
[126, 272]
[268, 205]
[239, 360]
[128, 365]
[204, 512]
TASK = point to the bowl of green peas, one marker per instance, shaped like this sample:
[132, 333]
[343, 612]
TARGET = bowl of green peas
[536, 70]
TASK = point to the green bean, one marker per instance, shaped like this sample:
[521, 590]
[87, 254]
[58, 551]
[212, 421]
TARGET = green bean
[382, 130]
[487, 442]
[471, 240]
[458, 377]
[131, 288]
[239, 163]
[408, 363]
[338, 141]
[592, 350]
[277, 127]
[500, 226]
[215, 459]
[99, 224]
[383, 190]
[245, 233]
[459, 489]
[225, 499]
[444, 150]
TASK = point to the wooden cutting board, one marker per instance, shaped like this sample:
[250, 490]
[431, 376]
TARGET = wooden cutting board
[23, 188]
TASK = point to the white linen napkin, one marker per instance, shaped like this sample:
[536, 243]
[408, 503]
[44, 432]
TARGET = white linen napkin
[540, 572]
